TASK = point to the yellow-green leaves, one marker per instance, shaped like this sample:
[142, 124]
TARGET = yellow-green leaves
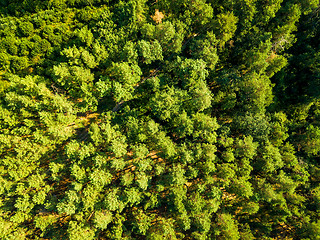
[225, 27]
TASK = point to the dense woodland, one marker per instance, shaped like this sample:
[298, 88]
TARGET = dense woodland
[161, 119]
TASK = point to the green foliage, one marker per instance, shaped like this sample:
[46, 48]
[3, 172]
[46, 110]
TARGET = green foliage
[102, 219]
[77, 232]
[26, 28]
[150, 51]
[225, 26]
[187, 119]
[312, 140]
[226, 227]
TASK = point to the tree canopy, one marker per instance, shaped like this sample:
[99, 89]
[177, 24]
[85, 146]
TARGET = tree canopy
[186, 119]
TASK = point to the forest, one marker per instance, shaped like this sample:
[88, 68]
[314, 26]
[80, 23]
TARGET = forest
[160, 119]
